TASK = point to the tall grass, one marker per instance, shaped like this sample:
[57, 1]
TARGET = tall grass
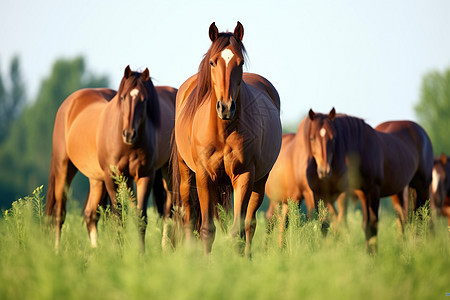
[411, 266]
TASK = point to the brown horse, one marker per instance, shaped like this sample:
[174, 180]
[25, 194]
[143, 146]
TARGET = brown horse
[440, 187]
[99, 128]
[347, 155]
[227, 133]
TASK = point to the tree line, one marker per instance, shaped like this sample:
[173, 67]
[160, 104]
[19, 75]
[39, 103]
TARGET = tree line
[26, 125]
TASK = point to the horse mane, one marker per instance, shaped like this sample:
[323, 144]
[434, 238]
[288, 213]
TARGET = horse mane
[202, 91]
[147, 87]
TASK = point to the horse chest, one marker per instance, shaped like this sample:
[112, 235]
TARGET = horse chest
[137, 163]
[221, 162]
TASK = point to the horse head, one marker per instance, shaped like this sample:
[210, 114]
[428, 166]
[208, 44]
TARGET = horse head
[138, 101]
[441, 182]
[226, 60]
[322, 136]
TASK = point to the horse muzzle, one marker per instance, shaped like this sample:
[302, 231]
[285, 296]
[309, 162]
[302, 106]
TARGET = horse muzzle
[324, 172]
[129, 136]
[225, 110]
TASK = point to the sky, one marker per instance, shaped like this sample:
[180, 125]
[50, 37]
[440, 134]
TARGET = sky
[365, 58]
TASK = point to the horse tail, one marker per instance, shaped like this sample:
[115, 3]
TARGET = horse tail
[50, 202]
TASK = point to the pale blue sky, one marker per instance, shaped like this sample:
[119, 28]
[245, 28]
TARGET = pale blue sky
[366, 58]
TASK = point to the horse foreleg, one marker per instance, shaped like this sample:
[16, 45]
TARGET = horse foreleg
[143, 186]
[185, 189]
[309, 201]
[206, 195]
[167, 213]
[446, 210]
[342, 203]
[96, 193]
[282, 224]
[256, 198]
[242, 187]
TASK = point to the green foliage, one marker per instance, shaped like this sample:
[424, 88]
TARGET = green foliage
[414, 266]
[26, 151]
[12, 99]
[433, 109]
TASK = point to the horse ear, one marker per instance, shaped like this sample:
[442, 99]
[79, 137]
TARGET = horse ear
[213, 31]
[127, 72]
[443, 159]
[312, 115]
[239, 31]
[146, 74]
[332, 114]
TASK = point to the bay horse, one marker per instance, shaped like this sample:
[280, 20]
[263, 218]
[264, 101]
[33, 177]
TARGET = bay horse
[98, 128]
[440, 187]
[348, 155]
[227, 133]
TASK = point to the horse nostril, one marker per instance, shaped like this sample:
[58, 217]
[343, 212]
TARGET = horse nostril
[233, 106]
[220, 107]
[124, 133]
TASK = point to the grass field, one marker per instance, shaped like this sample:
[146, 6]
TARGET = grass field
[413, 266]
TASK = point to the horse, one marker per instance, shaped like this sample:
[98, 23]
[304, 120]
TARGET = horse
[440, 187]
[96, 129]
[288, 181]
[346, 155]
[227, 134]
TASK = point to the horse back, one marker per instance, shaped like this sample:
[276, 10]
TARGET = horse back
[166, 97]
[407, 150]
[80, 115]
[261, 119]
[167, 93]
[263, 85]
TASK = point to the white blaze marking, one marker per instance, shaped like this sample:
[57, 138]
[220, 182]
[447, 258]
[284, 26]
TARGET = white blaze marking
[435, 182]
[227, 55]
[134, 93]
[323, 132]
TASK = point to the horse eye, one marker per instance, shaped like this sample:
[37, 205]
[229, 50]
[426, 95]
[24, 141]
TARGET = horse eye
[212, 63]
[241, 64]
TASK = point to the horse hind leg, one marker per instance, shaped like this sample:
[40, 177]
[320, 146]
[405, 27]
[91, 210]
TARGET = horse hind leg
[62, 171]
[422, 190]
[370, 202]
[398, 205]
[96, 194]
[256, 199]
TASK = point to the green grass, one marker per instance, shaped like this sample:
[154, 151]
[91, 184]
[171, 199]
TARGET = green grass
[413, 266]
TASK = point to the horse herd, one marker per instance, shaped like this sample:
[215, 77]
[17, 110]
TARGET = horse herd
[218, 139]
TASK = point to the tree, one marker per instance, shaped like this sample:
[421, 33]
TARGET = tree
[433, 109]
[12, 101]
[25, 154]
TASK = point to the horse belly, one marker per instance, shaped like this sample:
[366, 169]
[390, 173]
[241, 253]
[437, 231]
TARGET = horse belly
[271, 137]
[82, 146]
[164, 133]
